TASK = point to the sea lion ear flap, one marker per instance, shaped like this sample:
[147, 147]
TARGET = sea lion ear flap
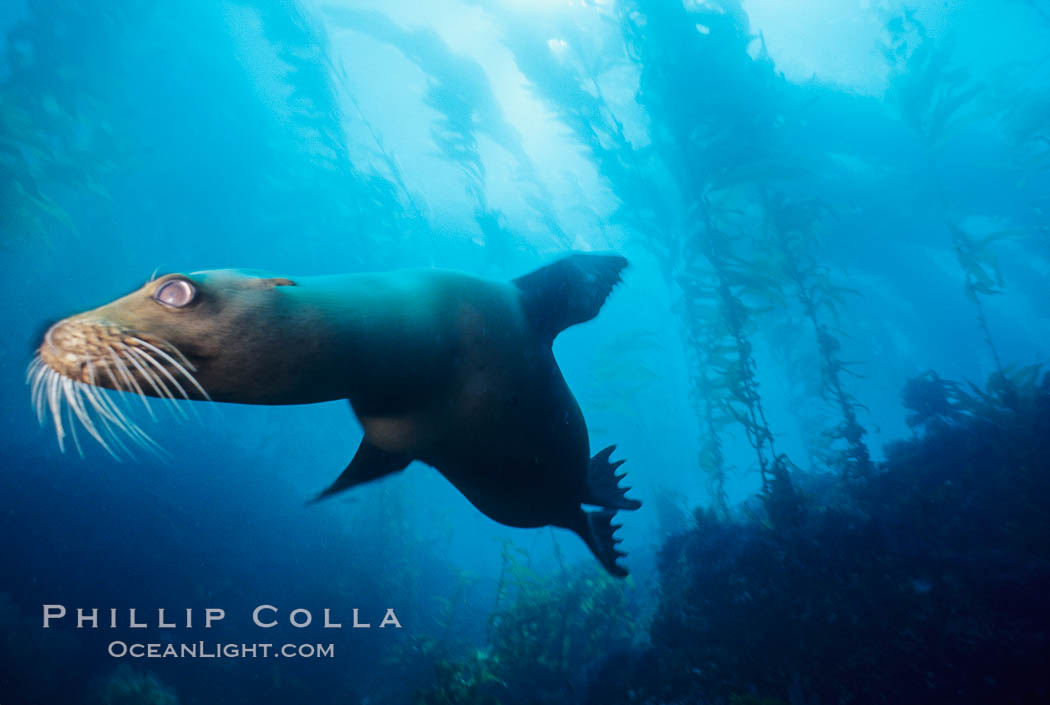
[570, 291]
[277, 281]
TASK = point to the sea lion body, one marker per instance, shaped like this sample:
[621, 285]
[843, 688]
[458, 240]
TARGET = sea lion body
[438, 366]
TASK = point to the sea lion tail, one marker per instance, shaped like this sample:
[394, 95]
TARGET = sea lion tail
[570, 291]
[603, 484]
[598, 532]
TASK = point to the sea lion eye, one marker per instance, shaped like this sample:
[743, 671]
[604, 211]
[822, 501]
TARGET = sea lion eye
[175, 293]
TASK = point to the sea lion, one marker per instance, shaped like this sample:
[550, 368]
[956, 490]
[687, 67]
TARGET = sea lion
[438, 366]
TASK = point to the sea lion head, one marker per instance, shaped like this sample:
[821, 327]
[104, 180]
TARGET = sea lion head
[181, 336]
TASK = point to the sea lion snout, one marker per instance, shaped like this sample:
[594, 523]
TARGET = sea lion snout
[179, 336]
[73, 344]
[86, 351]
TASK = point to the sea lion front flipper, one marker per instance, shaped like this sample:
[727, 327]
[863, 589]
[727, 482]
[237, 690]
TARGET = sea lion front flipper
[369, 463]
[596, 529]
[570, 291]
[603, 484]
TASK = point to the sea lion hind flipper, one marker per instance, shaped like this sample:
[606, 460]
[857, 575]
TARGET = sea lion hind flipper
[570, 291]
[597, 531]
[369, 463]
[603, 484]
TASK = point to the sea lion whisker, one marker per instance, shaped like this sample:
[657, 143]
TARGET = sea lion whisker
[163, 388]
[73, 390]
[171, 349]
[169, 394]
[150, 376]
[73, 429]
[35, 402]
[160, 368]
[38, 391]
[172, 379]
[113, 419]
[116, 384]
[123, 423]
[36, 370]
[34, 374]
[34, 365]
[54, 402]
[95, 398]
[105, 407]
[108, 409]
[72, 394]
[185, 395]
[105, 416]
[84, 414]
[94, 394]
[126, 381]
[122, 368]
[134, 431]
[52, 390]
[185, 372]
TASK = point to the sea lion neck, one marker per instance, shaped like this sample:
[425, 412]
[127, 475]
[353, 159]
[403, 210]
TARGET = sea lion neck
[372, 336]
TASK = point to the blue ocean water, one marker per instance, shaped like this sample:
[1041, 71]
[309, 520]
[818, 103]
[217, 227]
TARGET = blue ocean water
[823, 365]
